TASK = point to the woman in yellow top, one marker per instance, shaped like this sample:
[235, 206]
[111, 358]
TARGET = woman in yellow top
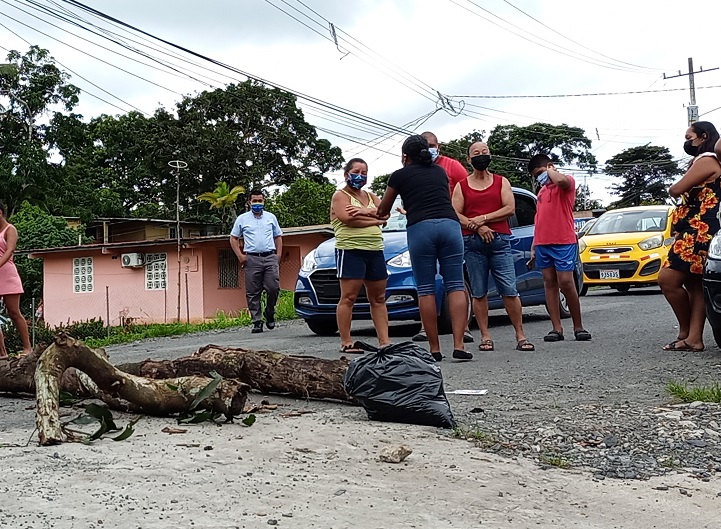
[358, 254]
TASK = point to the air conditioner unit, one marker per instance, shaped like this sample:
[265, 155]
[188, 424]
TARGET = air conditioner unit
[132, 260]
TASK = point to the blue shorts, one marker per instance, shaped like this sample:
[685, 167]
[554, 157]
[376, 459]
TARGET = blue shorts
[494, 257]
[361, 264]
[562, 257]
[434, 244]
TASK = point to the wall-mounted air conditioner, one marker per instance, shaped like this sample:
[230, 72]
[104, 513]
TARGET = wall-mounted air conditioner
[132, 260]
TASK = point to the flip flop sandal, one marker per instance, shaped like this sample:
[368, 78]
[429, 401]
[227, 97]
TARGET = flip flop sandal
[582, 335]
[682, 345]
[486, 345]
[553, 336]
[525, 345]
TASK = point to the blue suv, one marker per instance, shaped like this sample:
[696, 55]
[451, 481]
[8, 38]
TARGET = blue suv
[317, 291]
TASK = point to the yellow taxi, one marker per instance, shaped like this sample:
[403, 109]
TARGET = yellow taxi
[626, 247]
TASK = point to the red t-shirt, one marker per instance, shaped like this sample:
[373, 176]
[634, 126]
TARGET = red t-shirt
[482, 202]
[454, 169]
[554, 215]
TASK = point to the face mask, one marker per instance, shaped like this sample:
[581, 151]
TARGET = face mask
[690, 149]
[434, 153]
[257, 208]
[356, 180]
[543, 179]
[481, 162]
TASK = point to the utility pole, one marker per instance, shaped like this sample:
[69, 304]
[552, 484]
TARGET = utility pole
[692, 108]
[177, 165]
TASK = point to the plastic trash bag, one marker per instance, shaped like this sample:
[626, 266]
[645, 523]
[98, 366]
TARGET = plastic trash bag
[400, 383]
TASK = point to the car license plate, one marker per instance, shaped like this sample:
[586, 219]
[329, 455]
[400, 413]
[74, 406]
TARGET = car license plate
[610, 274]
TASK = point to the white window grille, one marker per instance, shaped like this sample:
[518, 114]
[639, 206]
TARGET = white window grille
[83, 275]
[156, 271]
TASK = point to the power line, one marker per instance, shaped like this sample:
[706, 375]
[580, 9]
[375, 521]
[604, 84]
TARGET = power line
[536, 96]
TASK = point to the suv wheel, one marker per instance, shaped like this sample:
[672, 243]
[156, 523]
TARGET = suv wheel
[322, 327]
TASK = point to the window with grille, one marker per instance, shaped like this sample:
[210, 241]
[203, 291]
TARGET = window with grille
[156, 271]
[82, 275]
[227, 269]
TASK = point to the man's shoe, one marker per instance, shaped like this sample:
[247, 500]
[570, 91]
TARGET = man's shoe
[257, 327]
[467, 337]
[270, 323]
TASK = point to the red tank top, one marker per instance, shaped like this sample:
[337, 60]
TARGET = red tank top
[483, 202]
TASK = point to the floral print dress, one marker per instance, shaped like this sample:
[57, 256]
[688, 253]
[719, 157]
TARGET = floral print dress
[694, 223]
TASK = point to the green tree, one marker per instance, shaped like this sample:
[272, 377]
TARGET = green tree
[305, 203]
[31, 87]
[224, 199]
[584, 202]
[512, 146]
[645, 173]
[379, 184]
[458, 149]
[37, 229]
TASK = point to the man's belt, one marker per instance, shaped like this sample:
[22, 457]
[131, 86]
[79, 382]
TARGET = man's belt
[260, 254]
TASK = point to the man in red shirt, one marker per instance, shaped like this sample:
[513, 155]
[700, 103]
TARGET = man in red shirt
[555, 244]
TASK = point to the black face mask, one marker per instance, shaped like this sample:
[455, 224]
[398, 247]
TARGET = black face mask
[691, 150]
[481, 162]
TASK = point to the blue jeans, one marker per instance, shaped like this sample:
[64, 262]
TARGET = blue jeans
[494, 257]
[435, 242]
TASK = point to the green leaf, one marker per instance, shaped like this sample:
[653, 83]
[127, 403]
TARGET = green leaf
[249, 420]
[172, 387]
[99, 433]
[207, 391]
[101, 413]
[67, 399]
[199, 417]
[128, 431]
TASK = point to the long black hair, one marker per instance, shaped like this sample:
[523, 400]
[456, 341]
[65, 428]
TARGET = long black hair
[712, 135]
[416, 149]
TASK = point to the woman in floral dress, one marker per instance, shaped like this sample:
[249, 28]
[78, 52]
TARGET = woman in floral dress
[695, 222]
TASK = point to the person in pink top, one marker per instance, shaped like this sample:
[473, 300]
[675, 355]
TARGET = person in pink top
[11, 287]
[555, 245]
[484, 202]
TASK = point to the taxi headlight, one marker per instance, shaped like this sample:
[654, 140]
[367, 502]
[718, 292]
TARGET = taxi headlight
[714, 249]
[581, 246]
[652, 242]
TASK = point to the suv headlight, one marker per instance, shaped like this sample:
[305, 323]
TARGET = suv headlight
[402, 260]
[652, 242]
[309, 263]
[714, 249]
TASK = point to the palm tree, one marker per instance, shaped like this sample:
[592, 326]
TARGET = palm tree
[224, 199]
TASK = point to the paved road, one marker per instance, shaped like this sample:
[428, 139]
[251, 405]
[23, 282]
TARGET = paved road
[600, 405]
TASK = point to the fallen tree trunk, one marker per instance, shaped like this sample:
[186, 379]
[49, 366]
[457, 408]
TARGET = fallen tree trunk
[154, 397]
[264, 371]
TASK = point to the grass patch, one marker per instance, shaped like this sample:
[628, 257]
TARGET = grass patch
[555, 461]
[686, 393]
[473, 434]
[132, 333]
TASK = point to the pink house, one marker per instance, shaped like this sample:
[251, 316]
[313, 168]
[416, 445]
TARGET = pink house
[155, 281]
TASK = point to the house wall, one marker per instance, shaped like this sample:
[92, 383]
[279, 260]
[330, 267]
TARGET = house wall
[122, 292]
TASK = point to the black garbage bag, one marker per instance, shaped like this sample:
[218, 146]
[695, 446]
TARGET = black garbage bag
[400, 383]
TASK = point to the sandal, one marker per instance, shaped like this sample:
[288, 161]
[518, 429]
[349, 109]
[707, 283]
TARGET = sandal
[420, 337]
[486, 345]
[525, 345]
[682, 345]
[357, 348]
[582, 335]
[553, 336]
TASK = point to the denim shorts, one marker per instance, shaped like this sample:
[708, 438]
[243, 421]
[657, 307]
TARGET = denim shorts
[494, 257]
[361, 264]
[434, 244]
[562, 257]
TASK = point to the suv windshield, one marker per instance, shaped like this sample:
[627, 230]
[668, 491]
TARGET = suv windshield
[630, 221]
[397, 221]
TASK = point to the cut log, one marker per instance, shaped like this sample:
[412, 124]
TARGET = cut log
[304, 377]
[154, 397]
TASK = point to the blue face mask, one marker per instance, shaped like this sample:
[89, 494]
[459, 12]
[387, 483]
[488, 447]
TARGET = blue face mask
[543, 179]
[257, 208]
[434, 153]
[356, 180]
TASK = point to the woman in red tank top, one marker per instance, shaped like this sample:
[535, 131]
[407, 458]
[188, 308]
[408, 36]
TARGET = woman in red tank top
[484, 203]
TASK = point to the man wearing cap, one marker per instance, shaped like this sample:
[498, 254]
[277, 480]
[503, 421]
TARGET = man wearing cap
[257, 240]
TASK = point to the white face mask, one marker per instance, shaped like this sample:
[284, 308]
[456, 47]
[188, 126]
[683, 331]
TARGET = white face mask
[434, 153]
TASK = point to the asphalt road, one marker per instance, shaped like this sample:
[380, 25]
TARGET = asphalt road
[624, 363]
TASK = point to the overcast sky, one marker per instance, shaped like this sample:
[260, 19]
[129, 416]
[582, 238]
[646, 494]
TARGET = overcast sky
[459, 48]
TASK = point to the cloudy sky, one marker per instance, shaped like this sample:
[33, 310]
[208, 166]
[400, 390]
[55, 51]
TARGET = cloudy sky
[393, 58]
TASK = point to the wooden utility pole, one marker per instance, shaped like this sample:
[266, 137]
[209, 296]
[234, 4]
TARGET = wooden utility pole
[692, 108]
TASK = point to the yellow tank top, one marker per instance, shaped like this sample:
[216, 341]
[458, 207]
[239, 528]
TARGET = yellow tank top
[350, 238]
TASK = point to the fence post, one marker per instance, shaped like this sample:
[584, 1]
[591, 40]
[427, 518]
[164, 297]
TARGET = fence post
[107, 308]
[187, 305]
[33, 322]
